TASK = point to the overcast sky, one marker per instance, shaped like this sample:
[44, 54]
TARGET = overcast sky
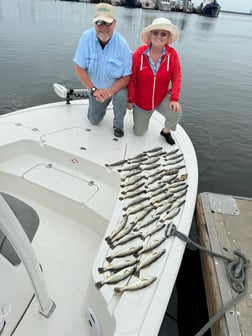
[232, 5]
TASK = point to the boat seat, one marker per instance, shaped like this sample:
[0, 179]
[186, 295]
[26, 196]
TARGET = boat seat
[29, 220]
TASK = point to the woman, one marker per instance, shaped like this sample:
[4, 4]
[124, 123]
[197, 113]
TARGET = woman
[155, 65]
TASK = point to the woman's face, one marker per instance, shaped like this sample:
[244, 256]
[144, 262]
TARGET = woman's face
[159, 37]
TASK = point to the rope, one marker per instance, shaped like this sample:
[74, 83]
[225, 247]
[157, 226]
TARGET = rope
[236, 269]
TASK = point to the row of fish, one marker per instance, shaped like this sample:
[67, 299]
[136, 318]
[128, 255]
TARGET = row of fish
[152, 193]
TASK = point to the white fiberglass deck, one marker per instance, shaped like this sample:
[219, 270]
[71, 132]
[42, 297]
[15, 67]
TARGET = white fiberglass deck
[54, 160]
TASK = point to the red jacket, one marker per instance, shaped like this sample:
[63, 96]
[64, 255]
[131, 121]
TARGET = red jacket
[147, 90]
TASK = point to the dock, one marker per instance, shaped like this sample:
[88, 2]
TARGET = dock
[224, 224]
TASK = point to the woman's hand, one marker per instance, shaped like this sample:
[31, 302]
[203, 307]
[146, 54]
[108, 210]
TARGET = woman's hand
[175, 106]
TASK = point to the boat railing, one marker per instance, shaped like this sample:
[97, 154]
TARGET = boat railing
[15, 233]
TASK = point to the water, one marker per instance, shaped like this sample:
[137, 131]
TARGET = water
[38, 39]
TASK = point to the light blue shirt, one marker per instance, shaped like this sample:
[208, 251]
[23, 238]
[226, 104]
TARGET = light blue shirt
[104, 66]
[153, 66]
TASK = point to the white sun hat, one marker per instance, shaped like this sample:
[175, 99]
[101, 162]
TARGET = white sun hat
[160, 24]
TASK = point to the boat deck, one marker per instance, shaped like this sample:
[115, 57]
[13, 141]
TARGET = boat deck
[55, 161]
[224, 224]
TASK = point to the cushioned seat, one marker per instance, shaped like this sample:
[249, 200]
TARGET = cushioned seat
[29, 220]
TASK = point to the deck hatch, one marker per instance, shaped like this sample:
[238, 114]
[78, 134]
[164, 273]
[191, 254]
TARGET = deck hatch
[51, 178]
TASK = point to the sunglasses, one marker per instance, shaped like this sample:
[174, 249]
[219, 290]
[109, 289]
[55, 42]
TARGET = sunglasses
[157, 32]
[100, 23]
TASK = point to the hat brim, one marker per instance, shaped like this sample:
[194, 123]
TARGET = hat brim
[173, 36]
[103, 18]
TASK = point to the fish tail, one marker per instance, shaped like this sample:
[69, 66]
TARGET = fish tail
[108, 240]
[118, 290]
[136, 254]
[100, 269]
[99, 284]
[109, 259]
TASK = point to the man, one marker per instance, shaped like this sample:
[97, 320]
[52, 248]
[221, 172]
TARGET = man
[103, 64]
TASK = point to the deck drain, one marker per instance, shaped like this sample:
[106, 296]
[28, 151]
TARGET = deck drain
[93, 322]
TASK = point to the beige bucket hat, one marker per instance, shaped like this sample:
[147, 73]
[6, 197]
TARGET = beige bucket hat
[160, 24]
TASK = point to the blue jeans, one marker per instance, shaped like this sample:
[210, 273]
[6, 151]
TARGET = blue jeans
[97, 110]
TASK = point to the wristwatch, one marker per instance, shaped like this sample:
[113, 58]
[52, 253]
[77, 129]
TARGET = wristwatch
[93, 89]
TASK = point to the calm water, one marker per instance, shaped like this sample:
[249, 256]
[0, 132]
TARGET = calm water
[38, 39]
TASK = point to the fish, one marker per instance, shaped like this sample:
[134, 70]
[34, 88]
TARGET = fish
[171, 171]
[138, 159]
[177, 204]
[136, 209]
[180, 194]
[129, 167]
[179, 167]
[172, 162]
[154, 229]
[161, 197]
[132, 180]
[168, 178]
[145, 222]
[152, 180]
[114, 164]
[136, 201]
[132, 250]
[177, 184]
[154, 172]
[121, 234]
[153, 150]
[159, 153]
[150, 166]
[117, 229]
[151, 160]
[130, 174]
[141, 283]
[116, 277]
[140, 155]
[132, 194]
[179, 188]
[172, 152]
[117, 266]
[151, 245]
[182, 177]
[173, 157]
[158, 191]
[133, 187]
[148, 260]
[125, 239]
[141, 215]
[162, 209]
[156, 186]
[170, 215]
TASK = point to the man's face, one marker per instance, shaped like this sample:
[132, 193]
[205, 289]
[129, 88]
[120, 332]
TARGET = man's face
[104, 31]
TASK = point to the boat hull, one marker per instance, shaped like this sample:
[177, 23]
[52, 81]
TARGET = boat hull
[55, 161]
[210, 10]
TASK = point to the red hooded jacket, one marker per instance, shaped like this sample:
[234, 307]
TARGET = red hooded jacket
[147, 90]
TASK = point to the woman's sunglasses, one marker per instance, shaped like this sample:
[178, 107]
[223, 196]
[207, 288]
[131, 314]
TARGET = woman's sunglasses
[157, 32]
[100, 23]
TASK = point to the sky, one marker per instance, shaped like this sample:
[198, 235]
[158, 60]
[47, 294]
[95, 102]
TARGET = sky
[243, 6]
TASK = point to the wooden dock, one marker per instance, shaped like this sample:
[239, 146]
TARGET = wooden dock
[224, 224]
